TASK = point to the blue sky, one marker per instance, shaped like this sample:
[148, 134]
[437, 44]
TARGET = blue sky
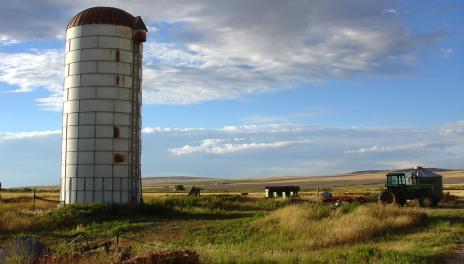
[253, 88]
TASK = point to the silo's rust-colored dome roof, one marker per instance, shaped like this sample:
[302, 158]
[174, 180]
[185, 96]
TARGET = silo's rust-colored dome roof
[107, 15]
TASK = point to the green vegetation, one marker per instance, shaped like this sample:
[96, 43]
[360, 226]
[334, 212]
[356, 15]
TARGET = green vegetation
[242, 229]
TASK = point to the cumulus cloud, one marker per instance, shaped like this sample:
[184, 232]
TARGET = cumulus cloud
[32, 70]
[10, 136]
[223, 146]
[204, 50]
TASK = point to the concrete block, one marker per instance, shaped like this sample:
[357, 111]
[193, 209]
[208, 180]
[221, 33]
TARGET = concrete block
[89, 183]
[86, 144]
[103, 157]
[82, 93]
[108, 184]
[85, 157]
[125, 56]
[98, 30]
[85, 171]
[89, 197]
[103, 170]
[121, 144]
[73, 32]
[105, 132]
[122, 106]
[71, 170]
[71, 107]
[72, 56]
[124, 32]
[97, 105]
[98, 182]
[71, 81]
[94, 55]
[121, 119]
[71, 158]
[87, 118]
[72, 132]
[121, 170]
[104, 118]
[82, 67]
[86, 131]
[103, 144]
[98, 79]
[73, 119]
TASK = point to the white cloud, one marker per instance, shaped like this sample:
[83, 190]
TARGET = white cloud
[446, 52]
[384, 149]
[153, 130]
[251, 150]
[205, 50]
[453, 129]
[390, 11]
[35, 69]
[7, 40]
[224, 146]
[11, 136]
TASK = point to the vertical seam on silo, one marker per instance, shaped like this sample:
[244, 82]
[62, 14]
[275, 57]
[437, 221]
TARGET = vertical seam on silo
[95, 151]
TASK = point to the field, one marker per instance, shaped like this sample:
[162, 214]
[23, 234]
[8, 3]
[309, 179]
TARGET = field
[225, 226]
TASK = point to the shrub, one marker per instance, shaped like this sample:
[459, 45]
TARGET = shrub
[179, 187]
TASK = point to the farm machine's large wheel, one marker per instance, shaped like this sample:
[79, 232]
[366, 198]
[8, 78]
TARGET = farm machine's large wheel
[387, 197]
[401, 199]
[428, 201]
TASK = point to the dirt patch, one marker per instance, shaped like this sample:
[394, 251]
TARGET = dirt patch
[456, 256]
[164, 257]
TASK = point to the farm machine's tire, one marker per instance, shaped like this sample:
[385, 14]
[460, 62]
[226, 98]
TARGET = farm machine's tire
[428, 201]
[401, 201]
[387, 197]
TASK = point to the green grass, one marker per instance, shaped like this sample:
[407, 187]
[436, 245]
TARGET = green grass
[240, 229]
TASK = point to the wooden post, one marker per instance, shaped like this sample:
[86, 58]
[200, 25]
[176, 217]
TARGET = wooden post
[33, 200]
[317, 193]
[117, 242]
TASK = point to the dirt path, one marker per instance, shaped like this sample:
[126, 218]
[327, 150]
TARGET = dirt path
[456, 256]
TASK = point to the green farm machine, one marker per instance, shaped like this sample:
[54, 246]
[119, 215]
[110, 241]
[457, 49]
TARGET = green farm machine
[419, 184]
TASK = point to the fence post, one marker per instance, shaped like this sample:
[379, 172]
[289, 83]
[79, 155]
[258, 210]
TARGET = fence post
[117, 242]
[33, 200]
[317, 193]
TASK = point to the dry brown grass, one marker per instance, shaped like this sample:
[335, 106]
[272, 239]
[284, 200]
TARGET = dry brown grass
[18, 216]
[319, 226]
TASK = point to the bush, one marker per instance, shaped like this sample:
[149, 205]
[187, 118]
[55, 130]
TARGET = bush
[179, 187]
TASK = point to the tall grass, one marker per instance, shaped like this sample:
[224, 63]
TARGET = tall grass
[318, 225]
[18, 216]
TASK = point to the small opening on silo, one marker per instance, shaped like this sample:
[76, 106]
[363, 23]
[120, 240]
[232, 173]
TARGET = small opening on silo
[116, 132]
[117, 55]
[118, 158]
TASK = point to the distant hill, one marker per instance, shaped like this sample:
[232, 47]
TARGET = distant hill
[400, 170]
[177, 178]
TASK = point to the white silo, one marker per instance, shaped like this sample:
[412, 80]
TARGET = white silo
[101, 113]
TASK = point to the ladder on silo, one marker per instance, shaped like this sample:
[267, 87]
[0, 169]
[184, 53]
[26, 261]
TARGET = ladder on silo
[135, 152]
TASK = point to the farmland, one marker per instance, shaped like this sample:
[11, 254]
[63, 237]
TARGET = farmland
[226, 226]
